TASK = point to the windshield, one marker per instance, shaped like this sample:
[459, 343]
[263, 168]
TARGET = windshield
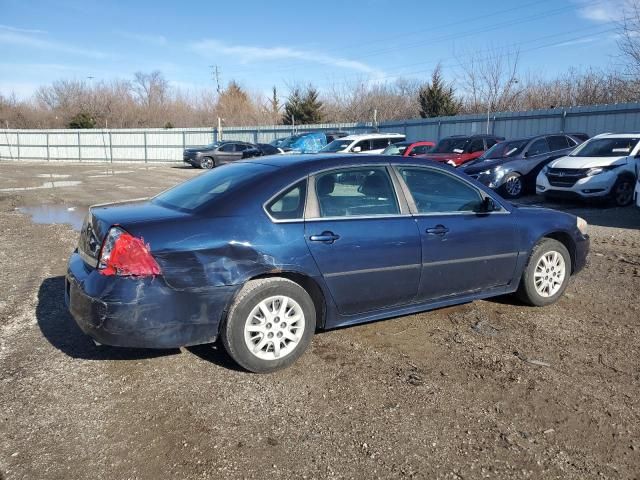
[336, 146]
[606, 147]
[505, 149]
[196, 192]
[451, 145]
[395, 149]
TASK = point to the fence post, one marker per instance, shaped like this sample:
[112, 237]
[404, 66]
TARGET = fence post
[184, 140]
[79, 148]
[18, 142]
[144, 134]
[48, 154]
[563, 121]
[110, 148]
[439, 130]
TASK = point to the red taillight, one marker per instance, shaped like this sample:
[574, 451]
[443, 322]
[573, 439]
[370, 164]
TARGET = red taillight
[125, 255]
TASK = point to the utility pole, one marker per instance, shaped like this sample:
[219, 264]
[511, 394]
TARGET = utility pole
[215, 72]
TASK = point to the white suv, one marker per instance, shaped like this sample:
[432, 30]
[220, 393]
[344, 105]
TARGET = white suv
[369, 143]
[602, 167]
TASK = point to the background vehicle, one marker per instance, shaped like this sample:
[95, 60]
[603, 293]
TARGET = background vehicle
[261, 252]
[310, 142]
[408, 149]
[602, 167]
[511, 167]
[460, 149]
[219, 153]
[267, 149]
[583, 137]
[365, 143]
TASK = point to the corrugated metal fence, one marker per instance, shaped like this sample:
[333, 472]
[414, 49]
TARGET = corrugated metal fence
[160, 145]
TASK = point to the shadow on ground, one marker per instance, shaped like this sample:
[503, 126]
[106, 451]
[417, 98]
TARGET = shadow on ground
[61, 331]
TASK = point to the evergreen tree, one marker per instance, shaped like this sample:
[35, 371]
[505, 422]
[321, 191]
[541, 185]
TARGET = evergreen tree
[302, 107]
[82, 120]
[437, 98]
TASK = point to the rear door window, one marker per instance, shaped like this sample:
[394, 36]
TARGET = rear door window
[365, 145]
[477, 145]
[379, 143]
[538, 147]
[557, 142]
[356, 192]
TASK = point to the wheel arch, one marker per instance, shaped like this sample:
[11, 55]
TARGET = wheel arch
[310, 285]
[565, 239]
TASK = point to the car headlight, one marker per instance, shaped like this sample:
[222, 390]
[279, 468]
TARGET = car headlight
[582, 225]
[598, 170]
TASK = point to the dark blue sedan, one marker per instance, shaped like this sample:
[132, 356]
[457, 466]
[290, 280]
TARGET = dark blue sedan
[263, 252]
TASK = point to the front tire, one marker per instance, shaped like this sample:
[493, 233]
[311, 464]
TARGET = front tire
[513, 186]
[622, 191]
[269, 325]
[546, 275]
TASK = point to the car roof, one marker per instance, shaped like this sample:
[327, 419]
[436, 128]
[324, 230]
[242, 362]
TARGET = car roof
[617, 135]
[475, 135]
[371, 136]
[320, 161]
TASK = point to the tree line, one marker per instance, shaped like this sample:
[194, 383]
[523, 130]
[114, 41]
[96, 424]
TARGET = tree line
[491, 84]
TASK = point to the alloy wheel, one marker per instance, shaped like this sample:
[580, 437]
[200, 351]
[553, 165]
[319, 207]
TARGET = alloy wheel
[206, 163]
[274, 327]
[549, 274]
[513, 186]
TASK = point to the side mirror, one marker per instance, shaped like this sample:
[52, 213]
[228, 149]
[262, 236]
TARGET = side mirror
[356, 149]
[488, 205]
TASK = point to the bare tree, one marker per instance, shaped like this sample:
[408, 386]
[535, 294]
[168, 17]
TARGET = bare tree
[629, 36]
[152, 89]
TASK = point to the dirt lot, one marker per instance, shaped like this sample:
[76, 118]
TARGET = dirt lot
[444, 394]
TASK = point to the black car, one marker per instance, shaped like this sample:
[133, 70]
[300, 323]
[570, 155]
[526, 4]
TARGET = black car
[267, 149]
[219, 153]
[511, 167]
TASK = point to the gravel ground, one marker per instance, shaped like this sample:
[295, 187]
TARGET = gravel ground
[490, 389]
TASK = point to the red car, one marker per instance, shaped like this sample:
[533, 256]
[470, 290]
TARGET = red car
[409, 149]
[460, 149]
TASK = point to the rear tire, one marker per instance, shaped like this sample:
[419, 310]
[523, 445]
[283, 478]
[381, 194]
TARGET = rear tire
[269, 325]
[622, 191]
[546, 275]
[207, 163]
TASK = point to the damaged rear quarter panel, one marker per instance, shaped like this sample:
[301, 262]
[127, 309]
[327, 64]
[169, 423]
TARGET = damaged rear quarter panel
[200, 253]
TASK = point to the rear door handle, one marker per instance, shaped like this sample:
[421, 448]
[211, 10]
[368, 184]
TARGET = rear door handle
[437, 230]
[326, 237]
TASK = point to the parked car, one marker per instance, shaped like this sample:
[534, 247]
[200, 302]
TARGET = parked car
[219, 153]
[511, 167]
[603, 167]
[277, 142]
[259, 253]
[460, 149]
[364, 143]
[408, 149]
[309, 142]
[268, 149]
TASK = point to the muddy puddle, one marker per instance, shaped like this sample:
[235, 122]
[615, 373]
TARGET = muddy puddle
[56, 214]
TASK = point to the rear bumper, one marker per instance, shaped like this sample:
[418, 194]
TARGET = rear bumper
[142, 312]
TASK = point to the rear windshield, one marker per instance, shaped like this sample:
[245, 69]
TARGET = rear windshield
[194, 193]
[606, 147]
[451, 145]
[505, 149]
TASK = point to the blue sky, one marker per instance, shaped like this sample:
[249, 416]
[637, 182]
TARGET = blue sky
[265, 43]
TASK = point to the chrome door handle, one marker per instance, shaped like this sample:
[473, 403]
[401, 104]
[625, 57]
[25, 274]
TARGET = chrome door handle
[326, 237]
[437, 230]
